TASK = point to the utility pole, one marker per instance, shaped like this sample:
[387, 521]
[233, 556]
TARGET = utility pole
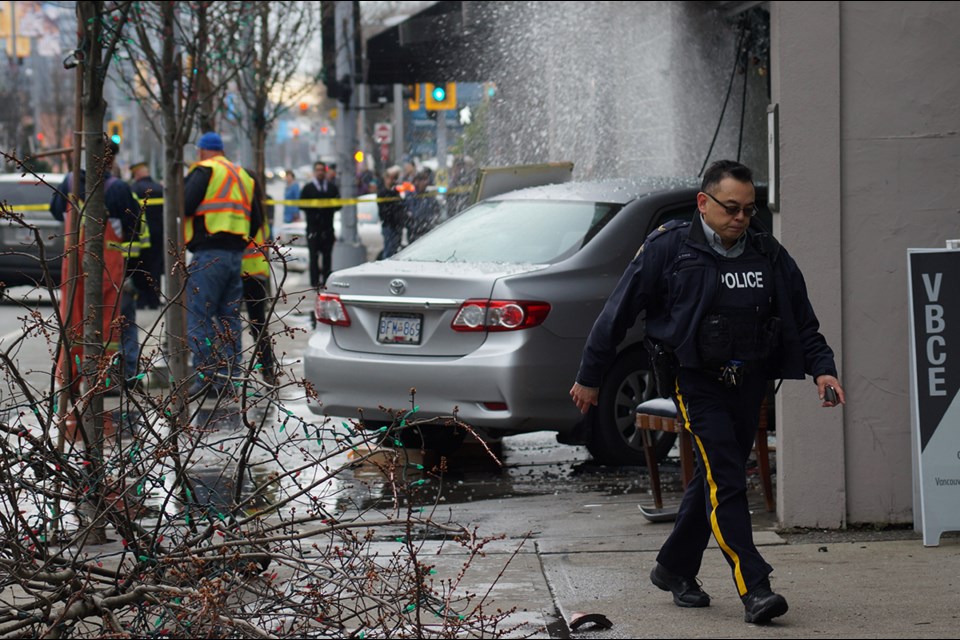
[348, 250]
[398, 132]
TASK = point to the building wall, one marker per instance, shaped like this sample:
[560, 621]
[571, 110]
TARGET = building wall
[806, 85]
[870, 160]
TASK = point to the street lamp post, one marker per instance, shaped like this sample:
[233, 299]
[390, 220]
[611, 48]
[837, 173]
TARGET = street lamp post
[348, 250]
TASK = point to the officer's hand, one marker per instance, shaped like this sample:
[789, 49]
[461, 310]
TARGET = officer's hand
[822, 383]
[584, 397]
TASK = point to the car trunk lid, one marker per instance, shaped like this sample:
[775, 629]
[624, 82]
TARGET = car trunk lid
[408, 307]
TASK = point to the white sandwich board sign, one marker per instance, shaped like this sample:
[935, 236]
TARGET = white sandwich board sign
[934, 283]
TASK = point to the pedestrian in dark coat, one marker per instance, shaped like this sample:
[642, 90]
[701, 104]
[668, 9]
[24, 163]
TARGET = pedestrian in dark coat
[320, 234]
[147, 276]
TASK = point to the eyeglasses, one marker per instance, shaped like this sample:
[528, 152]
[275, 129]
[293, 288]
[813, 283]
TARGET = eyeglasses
[734, 209]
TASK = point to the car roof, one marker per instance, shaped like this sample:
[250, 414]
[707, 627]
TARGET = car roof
[620, 191]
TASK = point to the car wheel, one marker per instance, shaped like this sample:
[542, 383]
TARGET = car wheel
[614, 439]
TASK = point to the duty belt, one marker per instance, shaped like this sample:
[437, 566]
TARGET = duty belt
[731, 374]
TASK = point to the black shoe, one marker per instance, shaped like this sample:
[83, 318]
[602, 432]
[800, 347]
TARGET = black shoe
[761, 605]
[686, 591]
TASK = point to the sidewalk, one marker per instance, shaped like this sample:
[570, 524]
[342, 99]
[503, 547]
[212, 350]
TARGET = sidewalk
[593, 554]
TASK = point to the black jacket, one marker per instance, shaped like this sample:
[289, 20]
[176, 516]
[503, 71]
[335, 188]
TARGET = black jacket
[118, 199]
[319, 219]
[393, 214]
[674, 279]
[146, 187]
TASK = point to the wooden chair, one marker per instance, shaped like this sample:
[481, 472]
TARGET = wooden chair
[661, 414]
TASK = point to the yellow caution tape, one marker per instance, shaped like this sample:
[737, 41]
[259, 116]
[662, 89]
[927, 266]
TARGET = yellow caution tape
[309, 204]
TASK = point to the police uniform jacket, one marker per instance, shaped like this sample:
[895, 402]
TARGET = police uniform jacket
[674, 278]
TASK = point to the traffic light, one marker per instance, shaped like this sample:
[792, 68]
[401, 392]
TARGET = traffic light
[115, 131]
[441, 97]
[412, 93]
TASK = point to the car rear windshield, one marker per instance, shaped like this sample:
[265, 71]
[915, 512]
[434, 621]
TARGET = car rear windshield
[513, 232]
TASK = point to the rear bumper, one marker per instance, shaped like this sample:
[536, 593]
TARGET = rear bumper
[531, 374]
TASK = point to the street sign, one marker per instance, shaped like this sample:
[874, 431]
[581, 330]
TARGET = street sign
[383, 132]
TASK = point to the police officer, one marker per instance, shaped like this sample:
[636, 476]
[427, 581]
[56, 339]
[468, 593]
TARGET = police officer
[222, 215]
[731, 305]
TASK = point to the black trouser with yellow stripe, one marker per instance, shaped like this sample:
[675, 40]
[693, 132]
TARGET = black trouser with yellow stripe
[723, 421]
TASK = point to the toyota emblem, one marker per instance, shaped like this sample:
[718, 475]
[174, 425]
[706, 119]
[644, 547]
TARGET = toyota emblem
[397, 286]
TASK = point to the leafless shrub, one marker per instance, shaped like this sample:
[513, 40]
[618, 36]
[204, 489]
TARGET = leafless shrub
[228, 518]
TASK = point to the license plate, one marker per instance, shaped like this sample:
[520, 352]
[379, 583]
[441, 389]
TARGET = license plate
[398, 328]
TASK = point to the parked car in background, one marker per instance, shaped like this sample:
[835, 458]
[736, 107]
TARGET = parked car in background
[25, 207]
[487, 316]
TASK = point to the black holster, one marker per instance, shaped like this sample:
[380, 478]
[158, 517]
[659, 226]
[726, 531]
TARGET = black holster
[664, 366]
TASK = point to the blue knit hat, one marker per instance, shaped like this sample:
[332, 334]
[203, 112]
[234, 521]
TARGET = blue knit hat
[211, 141]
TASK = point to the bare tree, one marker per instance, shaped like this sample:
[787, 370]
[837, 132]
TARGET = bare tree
[237, 522]
[232, 518]
[280, 72]
[183, 60]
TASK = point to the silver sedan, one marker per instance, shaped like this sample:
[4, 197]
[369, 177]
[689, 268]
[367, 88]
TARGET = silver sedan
[487, 314]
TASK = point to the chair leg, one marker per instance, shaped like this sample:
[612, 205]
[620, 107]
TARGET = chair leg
[652, 467]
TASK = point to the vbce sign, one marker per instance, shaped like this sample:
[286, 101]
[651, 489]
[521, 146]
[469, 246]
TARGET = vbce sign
[934, 279]
[934, 328]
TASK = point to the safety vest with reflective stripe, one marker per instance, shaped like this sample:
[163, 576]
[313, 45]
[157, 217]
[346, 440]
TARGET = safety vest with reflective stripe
[141, 241]
[255, 263]
[227, 203]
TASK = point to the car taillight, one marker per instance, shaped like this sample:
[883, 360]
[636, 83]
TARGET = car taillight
[499, 315]
[330, 310]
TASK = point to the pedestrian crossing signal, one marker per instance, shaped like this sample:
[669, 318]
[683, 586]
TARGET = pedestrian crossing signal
[115, 131]
[441, 97]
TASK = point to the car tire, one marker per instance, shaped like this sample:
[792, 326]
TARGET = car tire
[614, 438]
